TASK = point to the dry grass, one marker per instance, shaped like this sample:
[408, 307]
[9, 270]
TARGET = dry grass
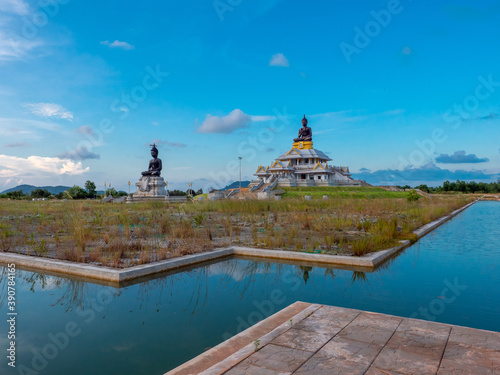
[125, 235]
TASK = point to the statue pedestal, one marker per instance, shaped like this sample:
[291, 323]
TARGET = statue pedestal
[149, 188]
[303, 145]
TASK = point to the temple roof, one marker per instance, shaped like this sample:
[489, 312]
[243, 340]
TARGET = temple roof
[262, 170]
[296, 153]
[281, 165]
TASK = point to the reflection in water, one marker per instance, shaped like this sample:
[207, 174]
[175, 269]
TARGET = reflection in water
[151, 327]
[359, 277]
[234, 276]
[305, 272]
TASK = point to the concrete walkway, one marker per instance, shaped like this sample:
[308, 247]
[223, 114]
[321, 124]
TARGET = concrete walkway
[331, 340]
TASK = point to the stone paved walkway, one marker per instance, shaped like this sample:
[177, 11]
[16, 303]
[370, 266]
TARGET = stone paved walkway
[331, 340]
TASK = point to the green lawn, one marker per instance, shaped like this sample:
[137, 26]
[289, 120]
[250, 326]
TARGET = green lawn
[342, 192]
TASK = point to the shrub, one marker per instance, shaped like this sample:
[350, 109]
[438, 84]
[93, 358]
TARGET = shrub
[412, 196]
[362, 246]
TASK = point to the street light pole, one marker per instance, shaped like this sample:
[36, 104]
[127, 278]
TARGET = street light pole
[239, 157]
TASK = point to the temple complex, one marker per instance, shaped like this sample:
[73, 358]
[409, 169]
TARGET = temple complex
[303, 165]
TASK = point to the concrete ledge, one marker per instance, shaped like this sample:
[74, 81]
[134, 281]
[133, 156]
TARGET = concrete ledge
[61, 266]
[380, 257]
[108, 274]
[171, 264]
[332, 340]
[369, 261]
[299, 256]
[230, 352]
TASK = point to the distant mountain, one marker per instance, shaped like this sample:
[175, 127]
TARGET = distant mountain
[235, 185]
[27, 189]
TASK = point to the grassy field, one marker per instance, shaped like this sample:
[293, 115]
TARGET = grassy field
[342, 192]
[122, 235]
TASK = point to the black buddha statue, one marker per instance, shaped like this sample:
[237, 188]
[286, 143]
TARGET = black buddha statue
[155, 165]
[305, 133]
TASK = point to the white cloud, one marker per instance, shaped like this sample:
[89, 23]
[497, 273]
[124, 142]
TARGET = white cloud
[38, 166]
[160, 142]
[79, 153]
[14, 6]
[262, 118]
[16, 144]
[12, 45]
[118, 44]
[50, 110]
[460, 157]
[429, 174]
[237, 119]
[85, 130]
[20, 129]
[406, 51]
[12, 48]
[279, 60]
[12, 180]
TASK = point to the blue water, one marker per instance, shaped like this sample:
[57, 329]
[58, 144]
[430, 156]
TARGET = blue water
[451, 275]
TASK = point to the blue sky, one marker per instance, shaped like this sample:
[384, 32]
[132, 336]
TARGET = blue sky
[399, 91]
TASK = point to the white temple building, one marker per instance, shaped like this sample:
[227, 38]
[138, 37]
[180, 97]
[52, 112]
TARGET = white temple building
[304, 165]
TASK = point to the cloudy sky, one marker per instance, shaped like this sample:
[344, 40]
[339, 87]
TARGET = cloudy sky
[401, 92]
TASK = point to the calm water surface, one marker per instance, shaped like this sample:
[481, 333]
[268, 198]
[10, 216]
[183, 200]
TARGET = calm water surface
[451, 276]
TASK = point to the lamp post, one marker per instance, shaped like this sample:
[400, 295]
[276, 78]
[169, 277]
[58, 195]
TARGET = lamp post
[239, 157]
[129, 188]
[104, 189]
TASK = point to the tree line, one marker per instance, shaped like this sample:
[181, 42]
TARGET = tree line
[460, 187]
[89, 192]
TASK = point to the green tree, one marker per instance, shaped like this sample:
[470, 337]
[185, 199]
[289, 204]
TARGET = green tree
[112, 192]
[76, 192]
[424, 188]
[16, 194]
[403, 187]
[177, 193]
[412, 196]
[39, 193]
[90, 187]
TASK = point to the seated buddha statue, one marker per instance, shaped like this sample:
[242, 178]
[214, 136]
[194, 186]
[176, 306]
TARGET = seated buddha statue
[305, 133]
[155, 165]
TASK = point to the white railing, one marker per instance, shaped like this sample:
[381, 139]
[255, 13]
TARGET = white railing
[272, 185]
[232, 192]
[256, 187]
